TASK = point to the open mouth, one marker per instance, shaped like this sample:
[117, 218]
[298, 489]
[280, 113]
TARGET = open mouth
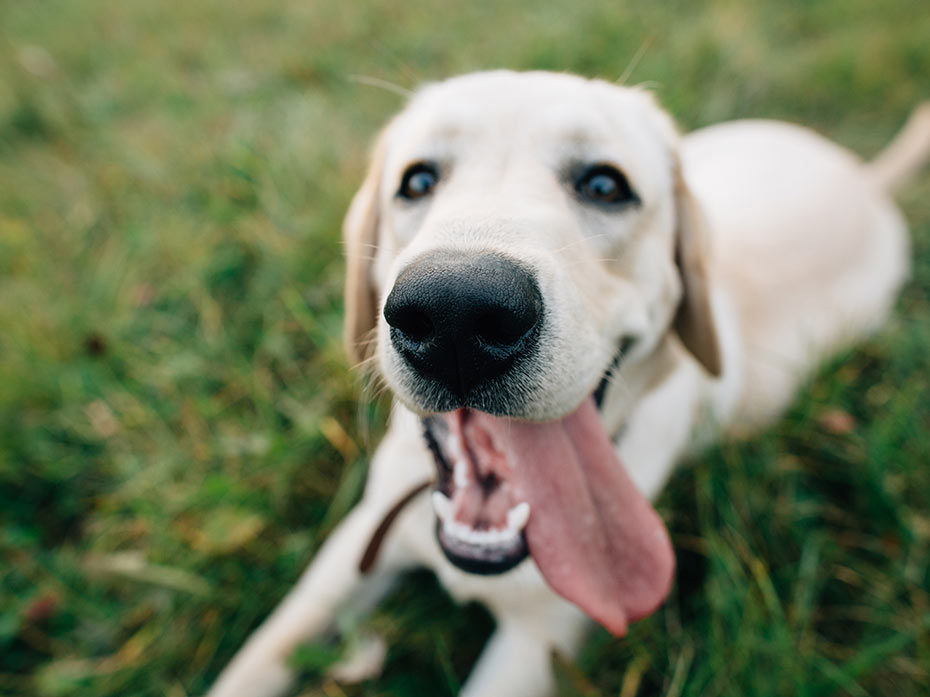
[557, 492]
[479, 520]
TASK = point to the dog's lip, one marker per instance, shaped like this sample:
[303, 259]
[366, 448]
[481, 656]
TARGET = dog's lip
[623, 348]
[476, 560]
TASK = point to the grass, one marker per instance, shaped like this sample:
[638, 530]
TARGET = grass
[178, 427]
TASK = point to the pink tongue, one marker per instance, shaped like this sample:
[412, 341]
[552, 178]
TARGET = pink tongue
[597, 541]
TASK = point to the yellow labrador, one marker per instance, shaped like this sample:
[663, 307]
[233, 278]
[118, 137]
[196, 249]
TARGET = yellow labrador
[565, 296]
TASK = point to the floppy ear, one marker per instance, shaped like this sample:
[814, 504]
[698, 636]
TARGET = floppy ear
[694, 321]
[360, 234]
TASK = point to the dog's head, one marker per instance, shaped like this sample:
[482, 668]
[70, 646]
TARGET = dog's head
[520, 244]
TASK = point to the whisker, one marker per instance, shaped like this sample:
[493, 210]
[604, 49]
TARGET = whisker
[366, 258]
[603, 260]
[587, 238]
[650, 85]
[386, 85]
[634, 61]
[390, 55]
[373, 245]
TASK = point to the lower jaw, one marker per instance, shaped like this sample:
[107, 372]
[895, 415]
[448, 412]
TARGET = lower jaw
[484, 562]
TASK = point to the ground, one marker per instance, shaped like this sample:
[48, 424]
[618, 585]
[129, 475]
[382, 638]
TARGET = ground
[179, 429]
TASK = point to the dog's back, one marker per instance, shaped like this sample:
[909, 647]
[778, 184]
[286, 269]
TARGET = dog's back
[807, 245]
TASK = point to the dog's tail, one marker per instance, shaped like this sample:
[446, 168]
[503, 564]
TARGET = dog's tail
[906, 154]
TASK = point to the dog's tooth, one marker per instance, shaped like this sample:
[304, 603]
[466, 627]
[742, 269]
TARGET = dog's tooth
[460, 530]
[466, 533]
[492, 537]
[457, 449]
[443, 506]
[460, 473]
[518, 516]
[500, 536]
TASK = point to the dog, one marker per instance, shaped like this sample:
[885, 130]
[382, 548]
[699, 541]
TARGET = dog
[565, 297]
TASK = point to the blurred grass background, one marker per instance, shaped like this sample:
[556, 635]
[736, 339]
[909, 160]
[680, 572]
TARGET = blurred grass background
[178, 427]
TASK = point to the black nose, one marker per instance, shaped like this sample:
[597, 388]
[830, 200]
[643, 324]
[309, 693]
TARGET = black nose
[462, 320]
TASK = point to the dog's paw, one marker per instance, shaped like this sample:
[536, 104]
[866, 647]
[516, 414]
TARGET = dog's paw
[363, 660]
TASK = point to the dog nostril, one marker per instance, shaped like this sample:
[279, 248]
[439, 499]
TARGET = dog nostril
[413, 322]
[502, 327]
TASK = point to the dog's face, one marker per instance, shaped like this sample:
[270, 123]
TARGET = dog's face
[519, 239]
[571, 184]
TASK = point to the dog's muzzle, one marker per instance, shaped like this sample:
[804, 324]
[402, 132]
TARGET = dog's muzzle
[461, 321]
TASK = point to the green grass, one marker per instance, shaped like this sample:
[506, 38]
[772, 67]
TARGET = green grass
[178, 427]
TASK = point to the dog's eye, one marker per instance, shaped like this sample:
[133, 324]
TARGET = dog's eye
[418, 181]
[605, 184]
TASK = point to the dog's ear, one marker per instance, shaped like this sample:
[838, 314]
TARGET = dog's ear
[694, 320]
[360, 235]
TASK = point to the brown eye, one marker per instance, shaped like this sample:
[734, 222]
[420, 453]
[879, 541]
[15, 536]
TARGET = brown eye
[605, 184]
[418, 181]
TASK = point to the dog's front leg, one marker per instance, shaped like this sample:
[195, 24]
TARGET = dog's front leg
[334, 582]
[260, 668]
[517, 662]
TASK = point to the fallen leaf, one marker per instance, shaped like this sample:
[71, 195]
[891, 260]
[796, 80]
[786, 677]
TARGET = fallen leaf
[837, 421]
[42, 608]
[225, 530]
